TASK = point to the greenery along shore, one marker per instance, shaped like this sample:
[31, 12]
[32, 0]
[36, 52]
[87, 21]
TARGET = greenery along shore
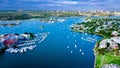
[107, 50]
[99, 26]
[20, 15]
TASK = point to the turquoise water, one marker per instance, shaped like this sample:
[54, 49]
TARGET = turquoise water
[62, 48]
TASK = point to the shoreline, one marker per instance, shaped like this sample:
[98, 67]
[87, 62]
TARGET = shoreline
[95, 44]
[95, 56]
[96, 65]
[80, 31]
[108, 46]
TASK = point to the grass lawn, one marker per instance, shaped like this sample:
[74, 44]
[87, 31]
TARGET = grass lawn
[107, 59]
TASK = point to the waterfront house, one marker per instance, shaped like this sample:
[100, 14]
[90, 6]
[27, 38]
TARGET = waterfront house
[103, 43]
[109, 23]
[113, 43]
[116, 39]
[115, 33]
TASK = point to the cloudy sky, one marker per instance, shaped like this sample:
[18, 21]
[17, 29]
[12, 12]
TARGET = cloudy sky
[60, 5]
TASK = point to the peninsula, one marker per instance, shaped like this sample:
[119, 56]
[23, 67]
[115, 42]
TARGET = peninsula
[107, 50]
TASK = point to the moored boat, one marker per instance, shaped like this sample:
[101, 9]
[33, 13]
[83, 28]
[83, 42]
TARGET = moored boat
[12, 40]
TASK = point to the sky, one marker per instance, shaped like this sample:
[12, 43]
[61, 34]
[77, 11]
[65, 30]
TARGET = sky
[60, 5]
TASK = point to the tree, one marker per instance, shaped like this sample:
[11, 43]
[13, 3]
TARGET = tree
[101, 51]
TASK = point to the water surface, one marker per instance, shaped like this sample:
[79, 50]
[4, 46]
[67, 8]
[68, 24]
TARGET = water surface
[62, 48]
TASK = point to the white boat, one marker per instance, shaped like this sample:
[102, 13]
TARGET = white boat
[15, 50]
[82, 53]
[75, 46]
[71, 51]
[80, 50]
[68, 47]
[21, 50]
[30, 48]
[24, 49]
[11, 51]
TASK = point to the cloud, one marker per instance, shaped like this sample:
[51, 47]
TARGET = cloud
[39, 5]
[60, 4]
[69, 2]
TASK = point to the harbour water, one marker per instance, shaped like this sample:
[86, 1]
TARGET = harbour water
[62, 48]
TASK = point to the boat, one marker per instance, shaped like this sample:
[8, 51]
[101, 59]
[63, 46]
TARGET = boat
[42, 26]
[30, 48]
[68, 47]
[80, 50]
[10, 24]
[12, 40]
[82, 53]
[21, 51]
[75, 46]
